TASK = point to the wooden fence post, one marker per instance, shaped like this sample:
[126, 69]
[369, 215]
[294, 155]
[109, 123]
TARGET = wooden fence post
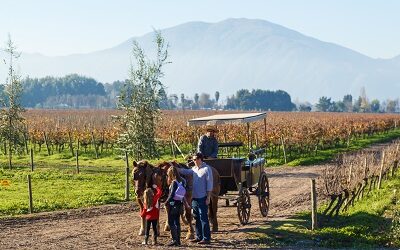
[127, 177]
[314, 223]
[31, 159]
[77, 160]
[284, 150]
[381, 170]
[30, 194]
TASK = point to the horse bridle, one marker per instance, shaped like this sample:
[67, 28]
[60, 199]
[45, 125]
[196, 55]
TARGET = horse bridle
[141, 169]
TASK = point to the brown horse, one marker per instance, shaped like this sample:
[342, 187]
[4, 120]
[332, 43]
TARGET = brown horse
[213, 207]
[144, 175]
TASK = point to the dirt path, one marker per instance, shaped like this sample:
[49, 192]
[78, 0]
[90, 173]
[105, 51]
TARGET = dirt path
[116, 226]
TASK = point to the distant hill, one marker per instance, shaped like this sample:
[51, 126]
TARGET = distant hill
[238, 53]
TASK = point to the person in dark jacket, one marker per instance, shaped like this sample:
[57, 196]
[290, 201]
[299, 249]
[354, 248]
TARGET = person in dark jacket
[208, 144]
[151, 212]
[174, 205]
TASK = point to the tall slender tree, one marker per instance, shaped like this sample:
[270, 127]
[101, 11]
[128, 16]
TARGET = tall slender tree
[140, 100]
[216, 98]
[12, 124]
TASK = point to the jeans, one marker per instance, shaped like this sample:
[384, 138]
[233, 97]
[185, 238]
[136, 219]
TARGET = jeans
[174, 220]
[200, 214]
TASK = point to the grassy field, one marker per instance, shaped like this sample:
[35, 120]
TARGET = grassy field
[367, 225]
[55, 189]
[56, 185]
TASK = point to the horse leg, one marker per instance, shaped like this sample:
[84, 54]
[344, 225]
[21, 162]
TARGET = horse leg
[214, 209]
[142, 226]
[166, 226]
[143, 220]
[188, 215]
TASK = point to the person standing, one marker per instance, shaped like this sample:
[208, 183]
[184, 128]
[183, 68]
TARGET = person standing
[174, 203]
[201, 195]
[208, 144]
[151, 212]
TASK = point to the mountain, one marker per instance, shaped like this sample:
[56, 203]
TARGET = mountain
[239, 53]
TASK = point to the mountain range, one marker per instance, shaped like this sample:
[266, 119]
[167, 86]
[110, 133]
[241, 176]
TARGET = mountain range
[237, 53]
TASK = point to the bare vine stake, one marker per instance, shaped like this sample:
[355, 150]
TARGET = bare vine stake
[46, 142]
[70, 143]
[94, 146]
[225, 140]
[314, 223]
[283, 148]
[180, 151]
[350, 172]
[77, 160]
[396, 161]
[30, 194]
[365, 176]
[31, 159]
[172, 147]
[127, 177]
[381, 170]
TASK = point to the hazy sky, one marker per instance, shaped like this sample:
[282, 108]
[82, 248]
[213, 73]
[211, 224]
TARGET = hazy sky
[61, 27]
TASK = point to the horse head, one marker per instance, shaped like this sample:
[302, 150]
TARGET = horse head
[142, 175]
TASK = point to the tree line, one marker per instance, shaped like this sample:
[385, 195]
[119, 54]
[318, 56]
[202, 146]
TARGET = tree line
[362, 104]
[76, 91]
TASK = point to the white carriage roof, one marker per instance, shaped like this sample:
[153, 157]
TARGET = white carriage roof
[227, 119]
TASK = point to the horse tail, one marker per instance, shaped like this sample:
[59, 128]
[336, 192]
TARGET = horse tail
[210, 209]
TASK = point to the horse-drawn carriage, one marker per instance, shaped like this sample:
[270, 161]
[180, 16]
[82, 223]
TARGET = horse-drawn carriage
[240, 176]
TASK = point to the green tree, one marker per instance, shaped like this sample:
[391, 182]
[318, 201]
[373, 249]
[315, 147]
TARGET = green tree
[183, 101]
[216, 98]
[324, 104]
[205, 101]
[304, 107]
[140, 100]
[357, 105]
[348, 103]
[391, 106]
[338, 106]
[375, 106]
[196, 101]
[12, 125]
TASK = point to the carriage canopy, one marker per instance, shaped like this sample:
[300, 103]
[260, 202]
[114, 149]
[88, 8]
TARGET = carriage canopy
[227, 119]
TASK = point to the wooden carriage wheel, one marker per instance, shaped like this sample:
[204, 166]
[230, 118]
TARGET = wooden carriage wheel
[243, 205]
[263, 194]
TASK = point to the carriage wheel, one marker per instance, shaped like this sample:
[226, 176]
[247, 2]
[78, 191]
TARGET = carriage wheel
[263, 194]
[243, 206]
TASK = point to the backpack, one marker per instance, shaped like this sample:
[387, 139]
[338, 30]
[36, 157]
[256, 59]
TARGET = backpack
[180, 192]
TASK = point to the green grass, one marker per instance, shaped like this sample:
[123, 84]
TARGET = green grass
[101, 181]
[330, 153]
[55, 189]
[56, 184]
[367, 225]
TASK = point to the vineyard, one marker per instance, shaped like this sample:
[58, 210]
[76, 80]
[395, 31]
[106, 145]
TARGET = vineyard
[355, 176]
[284, 135]
[55, 137]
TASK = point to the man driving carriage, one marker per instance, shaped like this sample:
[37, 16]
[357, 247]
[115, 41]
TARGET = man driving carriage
[208, 144]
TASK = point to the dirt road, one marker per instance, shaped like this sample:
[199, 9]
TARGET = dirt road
[116, 226]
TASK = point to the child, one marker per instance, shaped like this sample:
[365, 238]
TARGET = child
[174, 204]
[151, 212]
